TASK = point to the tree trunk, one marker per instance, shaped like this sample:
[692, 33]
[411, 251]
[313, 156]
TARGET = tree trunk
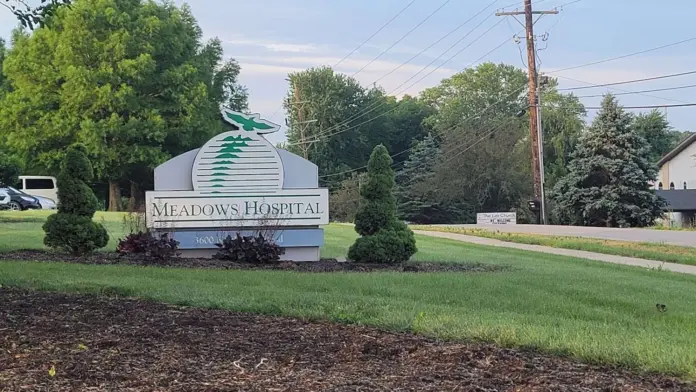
[114, 196]
[135, 200]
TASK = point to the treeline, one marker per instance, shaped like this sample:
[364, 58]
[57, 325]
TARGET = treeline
[460, 147]
[133, 81]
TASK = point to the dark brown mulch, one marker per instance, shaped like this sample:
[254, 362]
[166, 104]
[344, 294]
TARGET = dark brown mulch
[108, 344]
[110, 258]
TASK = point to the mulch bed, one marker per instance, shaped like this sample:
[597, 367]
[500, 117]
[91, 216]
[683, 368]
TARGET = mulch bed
[111, 258]
[109, 344]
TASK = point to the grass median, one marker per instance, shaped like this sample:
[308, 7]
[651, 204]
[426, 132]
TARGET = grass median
[641, 250]
[598, 312]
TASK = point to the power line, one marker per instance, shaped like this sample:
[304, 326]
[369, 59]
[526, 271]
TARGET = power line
[626, 55]
[620, 89]
[364, 42]
[677, 105]
[517, 91]
[629, 81]
[436, 42]
[402, 37]
[640, 92]
[376, 106]
[375, 33]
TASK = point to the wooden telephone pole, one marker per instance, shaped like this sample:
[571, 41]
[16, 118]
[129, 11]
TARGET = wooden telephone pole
[304, 144]
[535, 133]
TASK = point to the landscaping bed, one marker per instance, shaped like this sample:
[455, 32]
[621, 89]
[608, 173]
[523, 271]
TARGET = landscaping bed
[99, 344]
[327, 265]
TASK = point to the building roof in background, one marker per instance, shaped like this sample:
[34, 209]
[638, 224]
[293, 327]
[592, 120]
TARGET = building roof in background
[681, 147]
[679, 200]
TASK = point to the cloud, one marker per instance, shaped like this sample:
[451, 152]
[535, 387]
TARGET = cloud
[273, 46]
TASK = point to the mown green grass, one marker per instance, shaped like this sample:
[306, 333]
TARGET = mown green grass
[641, 250]
[594, 311]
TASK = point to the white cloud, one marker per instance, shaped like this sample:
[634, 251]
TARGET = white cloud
[274, 46]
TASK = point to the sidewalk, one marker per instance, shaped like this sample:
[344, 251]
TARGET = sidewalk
[681, 268]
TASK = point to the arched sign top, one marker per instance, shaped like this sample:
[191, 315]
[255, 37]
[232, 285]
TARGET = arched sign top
[239, 161]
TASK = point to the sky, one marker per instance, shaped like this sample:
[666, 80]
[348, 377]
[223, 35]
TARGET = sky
[271, 38]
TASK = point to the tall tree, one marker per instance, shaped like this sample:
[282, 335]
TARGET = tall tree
[329, 99]
[348, 121]
[480, 130]
[655, 129]
[131, 80]
[608, 180]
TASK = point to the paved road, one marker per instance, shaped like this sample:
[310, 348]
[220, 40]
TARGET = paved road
[681, 268]
[683, 238]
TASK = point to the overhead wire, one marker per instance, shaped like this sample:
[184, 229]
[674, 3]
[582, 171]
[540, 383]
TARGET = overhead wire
[378, 105]
[402, 37]
[625, 55]
[364, 42]
[640, 92]
[375, 33]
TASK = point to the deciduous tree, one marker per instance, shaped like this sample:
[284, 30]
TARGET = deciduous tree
[132, 80]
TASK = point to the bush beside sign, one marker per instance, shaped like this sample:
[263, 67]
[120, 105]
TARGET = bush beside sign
[496, 218]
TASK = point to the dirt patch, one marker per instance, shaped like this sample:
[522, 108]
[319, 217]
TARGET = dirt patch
[112, 258]
[108, 344]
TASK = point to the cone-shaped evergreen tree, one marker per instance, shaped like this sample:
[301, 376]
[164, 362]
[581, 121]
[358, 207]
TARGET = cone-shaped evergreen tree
[72, 228]
[384, 238]
[608, 180]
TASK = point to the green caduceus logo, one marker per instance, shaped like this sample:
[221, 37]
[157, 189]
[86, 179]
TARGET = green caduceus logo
[240, 161]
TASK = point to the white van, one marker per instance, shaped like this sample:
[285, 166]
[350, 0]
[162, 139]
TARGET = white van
[42, 186]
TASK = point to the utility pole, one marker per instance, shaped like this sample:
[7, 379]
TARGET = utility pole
[304, 144]
[535, 129]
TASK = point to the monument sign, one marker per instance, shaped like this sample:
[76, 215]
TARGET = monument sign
[238, 182]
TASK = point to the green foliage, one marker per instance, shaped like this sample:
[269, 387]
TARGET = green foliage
[10, 169]
[73, 233]
[384, 239]
[249, 249]
[350, 120]
[72, 228]
[655, 129]
[344, 201]
[131, 80]
[609, 176]
[417, 203]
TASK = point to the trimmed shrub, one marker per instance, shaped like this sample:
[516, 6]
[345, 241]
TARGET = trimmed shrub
[256, 250]
[384, 238]
[145, 243]
[72, 228]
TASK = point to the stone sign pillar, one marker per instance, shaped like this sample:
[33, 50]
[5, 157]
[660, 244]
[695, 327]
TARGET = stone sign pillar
[238, 182]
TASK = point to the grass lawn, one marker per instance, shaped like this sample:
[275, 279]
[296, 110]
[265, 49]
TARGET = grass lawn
[595, 311]
[641, 250]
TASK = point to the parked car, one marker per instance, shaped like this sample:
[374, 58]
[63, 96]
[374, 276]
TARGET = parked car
[19, 200]
[46, 203]
[39, 186]
[4, 198]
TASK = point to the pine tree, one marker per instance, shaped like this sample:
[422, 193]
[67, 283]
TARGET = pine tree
[608, 180]
[72, 228]
[415, 202]
[384, 238]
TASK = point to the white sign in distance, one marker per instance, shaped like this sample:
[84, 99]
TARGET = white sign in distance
[192, 209]
[496, 218]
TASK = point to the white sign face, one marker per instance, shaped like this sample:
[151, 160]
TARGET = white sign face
[496, 218]
[191, 209]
